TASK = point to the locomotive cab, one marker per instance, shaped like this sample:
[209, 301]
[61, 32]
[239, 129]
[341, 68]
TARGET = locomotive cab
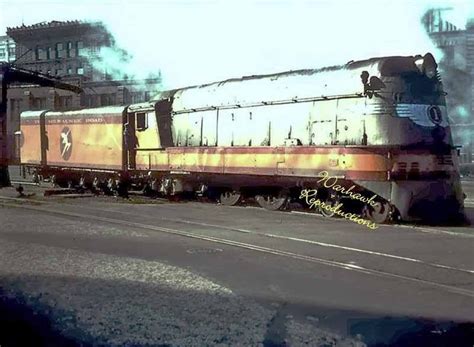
[141, 136]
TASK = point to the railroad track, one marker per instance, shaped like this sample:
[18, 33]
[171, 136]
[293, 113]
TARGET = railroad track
[24, 182]
[293, 208]
[347, 266]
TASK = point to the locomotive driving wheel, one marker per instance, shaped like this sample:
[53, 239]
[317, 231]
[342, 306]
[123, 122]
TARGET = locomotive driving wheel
[272, 202]
[332, 200]
[230, 198]
[380, 213]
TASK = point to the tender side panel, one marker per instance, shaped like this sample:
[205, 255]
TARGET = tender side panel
[85, 141]
[30, 141]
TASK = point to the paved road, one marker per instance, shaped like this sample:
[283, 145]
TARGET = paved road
[108, 271]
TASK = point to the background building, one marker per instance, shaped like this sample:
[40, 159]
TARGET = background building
[7, 49]
[77, 53]
[457, 68]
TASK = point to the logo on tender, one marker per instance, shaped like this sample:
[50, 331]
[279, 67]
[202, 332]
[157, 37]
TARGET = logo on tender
[65, 143]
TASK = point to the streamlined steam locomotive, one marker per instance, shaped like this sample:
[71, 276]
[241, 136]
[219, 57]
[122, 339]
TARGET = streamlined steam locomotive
[379, 124]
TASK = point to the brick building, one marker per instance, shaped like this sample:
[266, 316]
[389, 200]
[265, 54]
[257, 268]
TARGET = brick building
[71, 51]
[457, 67]
[7, 49]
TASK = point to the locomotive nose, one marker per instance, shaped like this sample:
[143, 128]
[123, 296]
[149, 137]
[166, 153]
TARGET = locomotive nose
[438, 133]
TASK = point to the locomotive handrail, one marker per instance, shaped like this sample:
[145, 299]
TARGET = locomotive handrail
[151, 149]
[266, 103]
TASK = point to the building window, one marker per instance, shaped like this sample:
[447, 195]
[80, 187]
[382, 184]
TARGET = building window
[90, 100]
[69, 51]
[68, 101]
[59, 50]
[94, 100]
[104, 100]
[107, 99]
[69, 70]
[58, 72]
[15, 107]
[64, 102]
[39, 103]
[79, 48]
[49, 53]
[80, 71]
[94, 50]
[136, 97]
[38, 53]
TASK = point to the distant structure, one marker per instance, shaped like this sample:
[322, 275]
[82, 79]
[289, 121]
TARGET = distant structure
[77, 53]
[457, 68]
[7, 49]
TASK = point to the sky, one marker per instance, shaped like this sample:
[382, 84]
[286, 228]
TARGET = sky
[193, 42]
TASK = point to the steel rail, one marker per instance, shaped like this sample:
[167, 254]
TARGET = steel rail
[261, 249]
[295, 239]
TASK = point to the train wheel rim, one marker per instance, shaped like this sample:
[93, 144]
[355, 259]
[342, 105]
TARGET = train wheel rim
[53, 181]
[230, 198]
[380, 213]
[332, 200]
[271, 202]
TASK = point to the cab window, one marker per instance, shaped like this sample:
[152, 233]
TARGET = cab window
[142, 121]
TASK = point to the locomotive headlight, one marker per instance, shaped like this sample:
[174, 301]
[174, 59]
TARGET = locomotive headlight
[419, 63]
[429, 66]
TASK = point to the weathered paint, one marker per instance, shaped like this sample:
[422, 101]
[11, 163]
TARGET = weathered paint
[354, 163]
[98, 146]
[95, 136]
[30, 151]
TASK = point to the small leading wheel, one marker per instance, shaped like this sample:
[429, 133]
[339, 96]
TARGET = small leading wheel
[332, 201]
[53, 181]
[380, 213]
[230, 198]
[271, 202]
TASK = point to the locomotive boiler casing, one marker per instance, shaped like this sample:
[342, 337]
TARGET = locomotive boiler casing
[389, 134]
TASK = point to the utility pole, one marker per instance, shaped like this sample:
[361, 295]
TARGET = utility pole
[4, 177]
[10, 74]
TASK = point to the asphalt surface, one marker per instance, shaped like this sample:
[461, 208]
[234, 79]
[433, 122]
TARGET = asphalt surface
[108, 271]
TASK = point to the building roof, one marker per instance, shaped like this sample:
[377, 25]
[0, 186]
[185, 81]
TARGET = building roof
[52, 24]
[31, 32]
